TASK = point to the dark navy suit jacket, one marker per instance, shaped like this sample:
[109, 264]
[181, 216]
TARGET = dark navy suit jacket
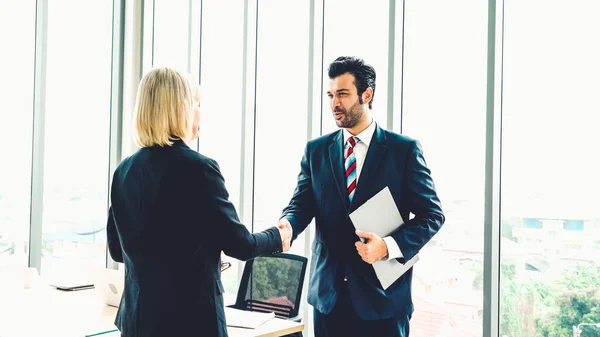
[169, 220]
[392, 160]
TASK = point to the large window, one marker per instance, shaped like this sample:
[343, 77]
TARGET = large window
[357, 28]
[281, 106]
[444, 108]
[17, 34]
[260, 74]
[171, 33]
[77, 126]
[282, 112]
[550, 163]
[221, 104]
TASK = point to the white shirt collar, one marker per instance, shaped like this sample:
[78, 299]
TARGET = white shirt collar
[365, 136]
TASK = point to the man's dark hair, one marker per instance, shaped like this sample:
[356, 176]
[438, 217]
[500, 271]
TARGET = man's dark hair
[364, 74]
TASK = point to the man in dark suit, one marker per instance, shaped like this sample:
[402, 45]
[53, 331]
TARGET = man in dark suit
[339, 172]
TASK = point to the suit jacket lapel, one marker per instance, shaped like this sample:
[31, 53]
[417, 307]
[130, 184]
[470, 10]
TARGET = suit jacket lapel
[375, 154]
[337, 166]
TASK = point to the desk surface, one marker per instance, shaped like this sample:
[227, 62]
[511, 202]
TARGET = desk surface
[273, 328]
[46, 312]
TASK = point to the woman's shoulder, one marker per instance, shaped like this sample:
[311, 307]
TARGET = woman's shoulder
[189, 160]
[195, 158]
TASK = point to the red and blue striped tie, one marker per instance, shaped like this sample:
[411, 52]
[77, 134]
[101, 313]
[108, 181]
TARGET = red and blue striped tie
[350, 165]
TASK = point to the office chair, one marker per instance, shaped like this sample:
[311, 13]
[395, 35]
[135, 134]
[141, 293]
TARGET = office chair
[273, 284]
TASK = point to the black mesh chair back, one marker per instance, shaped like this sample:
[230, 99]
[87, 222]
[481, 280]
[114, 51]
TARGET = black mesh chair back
[273, 284]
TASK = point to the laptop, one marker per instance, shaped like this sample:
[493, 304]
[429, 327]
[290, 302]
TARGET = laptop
[109, 285]
[71, 281]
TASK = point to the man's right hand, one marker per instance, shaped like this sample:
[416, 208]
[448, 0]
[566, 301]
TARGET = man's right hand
[285, 230]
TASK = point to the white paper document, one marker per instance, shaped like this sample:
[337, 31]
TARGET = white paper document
[246, 319]
[380, 215]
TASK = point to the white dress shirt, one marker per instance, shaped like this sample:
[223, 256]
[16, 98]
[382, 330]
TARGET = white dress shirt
[360, 151]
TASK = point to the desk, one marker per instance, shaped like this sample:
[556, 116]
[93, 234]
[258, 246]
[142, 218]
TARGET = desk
[273, 328]
[45, 312]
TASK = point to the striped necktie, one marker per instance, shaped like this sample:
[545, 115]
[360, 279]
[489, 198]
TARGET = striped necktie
[350, 165]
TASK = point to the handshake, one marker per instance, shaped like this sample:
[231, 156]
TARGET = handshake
[286, 232]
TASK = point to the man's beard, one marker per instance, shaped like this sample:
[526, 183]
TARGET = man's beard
[352, 117]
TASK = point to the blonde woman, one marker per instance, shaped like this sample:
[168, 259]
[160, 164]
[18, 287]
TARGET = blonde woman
[170, 218]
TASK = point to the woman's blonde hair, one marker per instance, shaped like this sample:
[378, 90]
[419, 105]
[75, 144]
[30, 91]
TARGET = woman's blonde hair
[164, 108]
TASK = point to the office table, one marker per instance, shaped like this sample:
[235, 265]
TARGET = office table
[45, 311]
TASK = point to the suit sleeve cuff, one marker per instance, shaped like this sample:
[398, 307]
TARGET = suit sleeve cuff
[394, 251]
[278, 243]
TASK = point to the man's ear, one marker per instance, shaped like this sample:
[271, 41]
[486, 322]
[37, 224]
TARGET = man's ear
[367, 96]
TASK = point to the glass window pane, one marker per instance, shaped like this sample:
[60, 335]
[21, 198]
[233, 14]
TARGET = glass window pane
[17, 30]
[550, 162]
[281, 106]
[357, 28]
[221, 100]
[76, 136]
[171, 32]
[444, 108]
